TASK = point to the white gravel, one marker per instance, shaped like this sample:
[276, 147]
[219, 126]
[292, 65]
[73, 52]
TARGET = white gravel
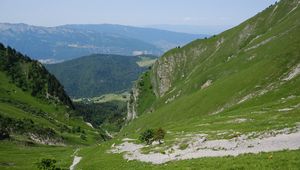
[89, 124]
[199, 147]
[295, 72]
[76, 160]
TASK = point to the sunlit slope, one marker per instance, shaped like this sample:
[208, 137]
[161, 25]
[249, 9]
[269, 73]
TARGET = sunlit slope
[34, 107]
[247, 73]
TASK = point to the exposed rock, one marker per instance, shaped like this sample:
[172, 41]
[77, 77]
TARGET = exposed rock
[285, 109]
[295, 72]
[246, 33]
[46, 140]
[198, 146]
[206, 84]
[164, 72]
[76, 160]
[260, 44]
[89, 124]
[131, 104]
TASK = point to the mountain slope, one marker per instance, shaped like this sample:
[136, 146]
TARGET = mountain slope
[234, 94]
[71, 41]
[99, 74]
[227, 102]
[250, 68]
[30, 75]
[34, 106]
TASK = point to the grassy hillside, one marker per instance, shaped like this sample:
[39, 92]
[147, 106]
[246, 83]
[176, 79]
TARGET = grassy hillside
[241, 85]
[244, 81]
[99, 74]
[237, 73]
[35, 112]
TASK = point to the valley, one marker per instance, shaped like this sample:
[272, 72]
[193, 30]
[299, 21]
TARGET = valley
[100, 74]
[229, 101]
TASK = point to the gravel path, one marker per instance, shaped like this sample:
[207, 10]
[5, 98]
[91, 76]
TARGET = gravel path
[76, 160]
[199, 147]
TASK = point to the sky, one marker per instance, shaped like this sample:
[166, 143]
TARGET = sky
[130, 12]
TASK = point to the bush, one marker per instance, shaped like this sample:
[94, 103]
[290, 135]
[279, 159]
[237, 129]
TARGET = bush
[159, 135]
[83, 137]
[4, 134]
[151, 135]
[47, 164]
[147, 136]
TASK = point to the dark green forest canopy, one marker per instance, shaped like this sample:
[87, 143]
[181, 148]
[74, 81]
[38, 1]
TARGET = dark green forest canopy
[98, 74]
[32, 76]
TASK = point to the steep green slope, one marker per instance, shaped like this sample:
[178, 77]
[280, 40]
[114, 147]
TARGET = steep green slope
[243, 83]
[100, 74]
[36, 112]
[241, 71]
[31, 76]
[240, 85]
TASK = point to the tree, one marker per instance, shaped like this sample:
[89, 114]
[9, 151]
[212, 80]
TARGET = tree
[47, 164]
[4, 134]
[151, 135]
[159, 135]
[83, 137]
[147, 136]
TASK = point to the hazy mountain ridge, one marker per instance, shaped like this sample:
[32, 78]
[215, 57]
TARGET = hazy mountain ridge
[72, 41]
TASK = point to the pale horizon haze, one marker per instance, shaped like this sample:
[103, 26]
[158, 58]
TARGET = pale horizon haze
[165, 14]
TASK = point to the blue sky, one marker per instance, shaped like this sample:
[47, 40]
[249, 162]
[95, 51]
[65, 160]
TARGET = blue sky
[130, 12]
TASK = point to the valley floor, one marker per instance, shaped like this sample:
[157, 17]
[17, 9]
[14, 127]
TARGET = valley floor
[197, 146]
[273, 150]
[97, 157]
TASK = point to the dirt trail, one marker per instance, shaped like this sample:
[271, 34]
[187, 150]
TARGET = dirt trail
[76, 160]
[199, 147]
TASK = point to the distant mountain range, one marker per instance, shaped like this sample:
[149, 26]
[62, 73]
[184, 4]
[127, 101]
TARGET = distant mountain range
[192, 29]
[51, 44]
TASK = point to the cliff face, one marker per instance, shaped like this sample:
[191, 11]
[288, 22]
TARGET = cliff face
[132, 103]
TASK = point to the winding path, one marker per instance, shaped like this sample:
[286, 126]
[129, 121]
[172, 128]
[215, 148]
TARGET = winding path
[76, 160]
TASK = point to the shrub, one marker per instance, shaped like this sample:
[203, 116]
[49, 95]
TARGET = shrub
[147, 136]
[151, 135]
[159, 135]
[47, 164]
[4, 134]
[83, 137]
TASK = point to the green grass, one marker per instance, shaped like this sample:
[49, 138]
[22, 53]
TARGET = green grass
[147, 96]
[58, 114]
[236, 71]
[105, 98]
[191, 66]
[18, 156]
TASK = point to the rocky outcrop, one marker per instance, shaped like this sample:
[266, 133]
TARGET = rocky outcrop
[131, 104]
[163, 70]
